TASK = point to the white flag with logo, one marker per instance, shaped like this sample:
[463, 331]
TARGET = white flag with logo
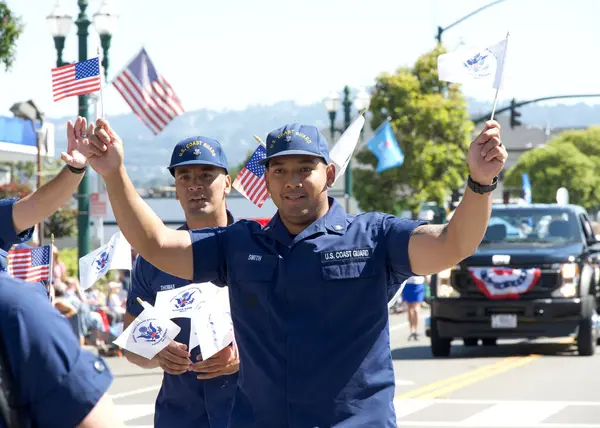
[184, 302]
[484, 65]
[342, 152]
[148, 334]
[116, 254]
[212, 327]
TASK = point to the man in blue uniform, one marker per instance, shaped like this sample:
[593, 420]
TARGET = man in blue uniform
[50, 380]
[189, 399]
[19, 216]
[309, 291]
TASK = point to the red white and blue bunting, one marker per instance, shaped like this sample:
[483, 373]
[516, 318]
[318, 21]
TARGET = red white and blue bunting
[504, 283]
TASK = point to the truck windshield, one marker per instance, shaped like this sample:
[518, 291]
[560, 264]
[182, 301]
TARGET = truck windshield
[531, 225]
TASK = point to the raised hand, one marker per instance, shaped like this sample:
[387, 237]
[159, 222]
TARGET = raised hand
[112, 159]
[80, 144]
[487, 154]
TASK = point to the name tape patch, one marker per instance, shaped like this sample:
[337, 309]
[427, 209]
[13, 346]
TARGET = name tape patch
[346, 255]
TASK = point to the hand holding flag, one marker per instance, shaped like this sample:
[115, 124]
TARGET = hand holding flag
[149, 333]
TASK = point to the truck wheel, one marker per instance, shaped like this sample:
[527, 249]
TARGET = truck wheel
[470, 341]
[439, 347]
[586, 337]
[489, 341]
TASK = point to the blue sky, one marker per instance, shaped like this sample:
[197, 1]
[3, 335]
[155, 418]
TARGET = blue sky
[235, 53]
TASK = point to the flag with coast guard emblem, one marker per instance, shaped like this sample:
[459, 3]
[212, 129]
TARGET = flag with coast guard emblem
[149, 333]
[250, 181]
[148, 93]
[483, 65]
[116, 254]
[30, 264]
[504, 283]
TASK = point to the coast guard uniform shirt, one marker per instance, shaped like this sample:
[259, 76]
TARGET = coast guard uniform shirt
[310, 316]
[183, 400]
[57, 383]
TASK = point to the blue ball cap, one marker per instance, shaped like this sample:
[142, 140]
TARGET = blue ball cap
[296, 139]
[198, 151]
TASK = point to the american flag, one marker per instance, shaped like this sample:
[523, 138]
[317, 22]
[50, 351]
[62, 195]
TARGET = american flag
[250, 182]
[76, 79]
[149, 95]
[30, 264]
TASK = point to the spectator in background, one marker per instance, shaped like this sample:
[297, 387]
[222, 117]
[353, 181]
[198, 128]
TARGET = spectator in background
[413, 295]
[116, 305]
[59, 269]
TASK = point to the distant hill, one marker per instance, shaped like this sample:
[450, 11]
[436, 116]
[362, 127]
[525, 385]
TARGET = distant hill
[147, 156]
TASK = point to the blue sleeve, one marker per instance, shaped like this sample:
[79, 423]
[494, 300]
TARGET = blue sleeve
[397, 231]
[209, 254]
[141, 286]
[59, 383]
[8, 234]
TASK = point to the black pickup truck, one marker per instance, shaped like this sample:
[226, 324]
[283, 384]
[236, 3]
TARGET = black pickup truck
[536, 274]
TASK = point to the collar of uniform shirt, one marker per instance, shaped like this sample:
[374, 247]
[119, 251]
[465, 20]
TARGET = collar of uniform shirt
[334, 221]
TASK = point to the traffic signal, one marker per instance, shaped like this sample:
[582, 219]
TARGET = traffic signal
[514, 115]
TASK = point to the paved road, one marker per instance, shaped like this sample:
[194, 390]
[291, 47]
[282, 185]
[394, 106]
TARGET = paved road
[518, 384]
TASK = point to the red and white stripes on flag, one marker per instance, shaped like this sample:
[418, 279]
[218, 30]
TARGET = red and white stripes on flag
[250, 181]
[149, 95]
[76, 79]
[30, 264]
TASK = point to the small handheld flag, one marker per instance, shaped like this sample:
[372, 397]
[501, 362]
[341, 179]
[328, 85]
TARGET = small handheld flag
[149, 333]
[148, 93]
[116, 254]
[76, 79]
[385, 147]
[342, 152]
[483, 65]
[250, 181]
[30, 264]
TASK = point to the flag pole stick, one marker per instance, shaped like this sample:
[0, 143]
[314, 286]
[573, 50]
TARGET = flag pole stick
[501, 77]
[101, 80]
[140, 301]
[259, 141]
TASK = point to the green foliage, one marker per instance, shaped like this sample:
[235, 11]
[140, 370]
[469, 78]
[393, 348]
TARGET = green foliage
[560, 164]
[11, 28]
[432, 126]
[69, 257]
[62, 224]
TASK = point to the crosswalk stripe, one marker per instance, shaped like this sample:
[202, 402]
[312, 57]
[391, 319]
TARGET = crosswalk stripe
[507, 414]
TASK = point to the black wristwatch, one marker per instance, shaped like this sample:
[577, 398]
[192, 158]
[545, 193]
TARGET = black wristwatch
[76, 170]
[482, 188]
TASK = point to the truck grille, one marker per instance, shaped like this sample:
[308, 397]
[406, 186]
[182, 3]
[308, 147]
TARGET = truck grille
[549, 281]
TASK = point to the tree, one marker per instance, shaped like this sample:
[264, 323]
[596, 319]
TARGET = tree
[11, 27]
[433, 129]
[558, 164]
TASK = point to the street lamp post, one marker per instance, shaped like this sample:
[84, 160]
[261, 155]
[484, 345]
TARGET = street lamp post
[59, 22]
[441, 30]
[332, 104]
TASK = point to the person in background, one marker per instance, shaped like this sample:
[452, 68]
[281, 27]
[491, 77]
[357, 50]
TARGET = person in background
[413, 294]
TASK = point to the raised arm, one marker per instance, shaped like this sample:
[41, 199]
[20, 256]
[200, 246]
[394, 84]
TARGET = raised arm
[433, 248]
[167, 249]
[42, 203]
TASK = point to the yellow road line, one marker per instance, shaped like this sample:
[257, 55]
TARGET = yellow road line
[477, 378]
[444, 382]
[445, 386]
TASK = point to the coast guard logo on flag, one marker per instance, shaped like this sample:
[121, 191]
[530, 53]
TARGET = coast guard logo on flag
[101, 261]
[185, 299]
[504, 283]
[149, 331]
[481, 65]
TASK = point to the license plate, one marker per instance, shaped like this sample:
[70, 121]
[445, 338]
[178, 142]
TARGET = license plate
[504, 321]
